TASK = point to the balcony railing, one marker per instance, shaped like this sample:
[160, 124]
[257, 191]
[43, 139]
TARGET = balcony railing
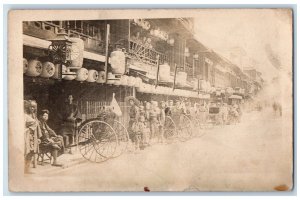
[90, 34]
[144, 53]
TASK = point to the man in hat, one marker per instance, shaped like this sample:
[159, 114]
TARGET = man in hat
[50, 140]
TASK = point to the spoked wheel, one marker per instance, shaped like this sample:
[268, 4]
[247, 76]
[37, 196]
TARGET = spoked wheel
[123, 138]
[185, 128]
[170, 131]
[97, 140]
[198, 127]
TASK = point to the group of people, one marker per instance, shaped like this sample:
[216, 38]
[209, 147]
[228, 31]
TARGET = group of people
[147, 119]
[146, 122]
[39, 138]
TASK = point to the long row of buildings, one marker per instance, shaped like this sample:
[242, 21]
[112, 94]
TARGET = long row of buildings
[152, 59]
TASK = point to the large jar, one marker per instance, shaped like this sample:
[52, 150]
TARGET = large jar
[164, 73]
[34, 68]
[77, 52]
[118, 62]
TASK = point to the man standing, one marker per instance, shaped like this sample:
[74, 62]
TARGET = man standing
[154, 119]
[161, 122]
[32, 134]
[70, 116]
[133, 117]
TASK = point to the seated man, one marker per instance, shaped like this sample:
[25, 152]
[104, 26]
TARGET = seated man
[49, 139]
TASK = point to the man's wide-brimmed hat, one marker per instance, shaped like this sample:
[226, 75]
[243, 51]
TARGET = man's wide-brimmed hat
[136, 102]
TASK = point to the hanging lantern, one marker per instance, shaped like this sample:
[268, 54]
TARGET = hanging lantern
[61, 47]
[34, 68]
[82, 74]
[118, 62]
[48, 70]
[101, 78]
[196, 56]
[171, 41]
[76, 52]
[92, 76]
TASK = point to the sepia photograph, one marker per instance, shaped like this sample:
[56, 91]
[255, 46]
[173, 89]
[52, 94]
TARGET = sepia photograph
[150, 100]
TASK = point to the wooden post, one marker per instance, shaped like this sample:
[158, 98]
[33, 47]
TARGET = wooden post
[198, 85]
[129, 35]
[106, 50]
[174, 82]
[193, 67]
[157, 70]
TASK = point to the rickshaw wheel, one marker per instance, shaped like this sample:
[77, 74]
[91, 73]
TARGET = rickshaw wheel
[97, 140]
[123, 138]
[170, 128]
[185, 128]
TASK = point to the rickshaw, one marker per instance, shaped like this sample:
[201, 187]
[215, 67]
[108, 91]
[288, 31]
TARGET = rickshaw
[178, 125]
[214, 114]
[101, 139]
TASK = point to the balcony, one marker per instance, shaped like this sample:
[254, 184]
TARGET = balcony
[145, 54]
[89, 33]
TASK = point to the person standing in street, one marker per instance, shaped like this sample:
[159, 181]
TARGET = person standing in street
[70, 116]
[154, 112]
[133, 117]
[32, 135]
[161, 122]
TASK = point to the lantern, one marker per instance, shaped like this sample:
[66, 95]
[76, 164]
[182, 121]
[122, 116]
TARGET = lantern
[60, 50]
[61, 47]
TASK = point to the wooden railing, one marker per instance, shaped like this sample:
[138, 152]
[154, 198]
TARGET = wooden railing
[90, 34]
[145, 54]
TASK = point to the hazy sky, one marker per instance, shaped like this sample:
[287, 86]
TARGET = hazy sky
[265, 35]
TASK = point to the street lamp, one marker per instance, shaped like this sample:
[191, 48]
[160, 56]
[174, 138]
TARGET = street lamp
[60, 50]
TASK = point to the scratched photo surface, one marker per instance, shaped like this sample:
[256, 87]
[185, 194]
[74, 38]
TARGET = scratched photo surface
[150, 100]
